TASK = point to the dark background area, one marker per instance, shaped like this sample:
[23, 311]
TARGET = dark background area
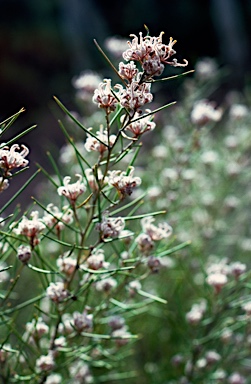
[44, 43]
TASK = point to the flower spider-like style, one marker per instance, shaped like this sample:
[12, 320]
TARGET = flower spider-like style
[152, 53]
[10, 158]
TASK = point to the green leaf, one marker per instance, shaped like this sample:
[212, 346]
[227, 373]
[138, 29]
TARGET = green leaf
[78, 123]
[19, 191]
[41, 270]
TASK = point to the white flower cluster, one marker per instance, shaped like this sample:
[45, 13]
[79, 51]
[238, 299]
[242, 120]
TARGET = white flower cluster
[101, 142]
[10, 158]
[152, 54]
[123, 182]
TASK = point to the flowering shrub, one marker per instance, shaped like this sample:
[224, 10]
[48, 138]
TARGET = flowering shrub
[97, 281]
[74, 268]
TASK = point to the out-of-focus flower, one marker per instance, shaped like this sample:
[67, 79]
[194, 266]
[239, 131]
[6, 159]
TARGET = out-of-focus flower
[72, 191]
[238, 111]
[4, 274]
[24, 253]
[133, 287]
[236, 378]
[106, 284]
[66, 264]
[54, 217]
[217, 280]
[86, 83]
[196, 313]
[212, 357]
[121, 336]
[247, 307]
[116, 45]
[154, 264]
[205, 112]
[209, 157]
[54, 378]
[145, 242]
[206, 68]
[45, 363]
[156, 233]
[94, 179]
[80, 372]
[4, 184]
[57, 292]
[237, 269]
[83, 321]
[37, 328]
[97, 260]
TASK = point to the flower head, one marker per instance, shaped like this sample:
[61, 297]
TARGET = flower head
[55, 217]
[30, 227]
[217, 280]
[162, 231]
[97, 260]
[110, 226]
[122, 182]
[152, 53]
[66, 264]
[57, 292]
[72, 191]
[104, 97]
[101, 142]
[10, 158]
[140, 125]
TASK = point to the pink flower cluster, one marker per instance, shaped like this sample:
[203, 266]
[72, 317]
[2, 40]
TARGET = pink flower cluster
[153, 55]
